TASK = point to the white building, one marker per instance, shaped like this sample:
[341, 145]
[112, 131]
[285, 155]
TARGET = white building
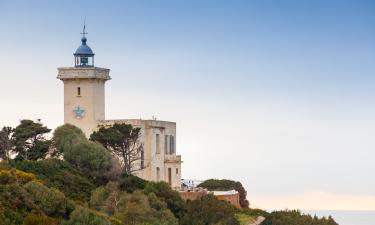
[84, 107]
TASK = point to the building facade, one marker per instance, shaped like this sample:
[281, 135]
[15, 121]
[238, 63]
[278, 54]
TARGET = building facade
[84, 107]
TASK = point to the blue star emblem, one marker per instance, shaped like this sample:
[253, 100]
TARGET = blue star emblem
[78, 111]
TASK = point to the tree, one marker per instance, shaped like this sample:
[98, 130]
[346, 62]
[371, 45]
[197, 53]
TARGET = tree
[65, 136]
[226, 185]
[90, 158]
[6, 143]
[123, 141]
[30, 141]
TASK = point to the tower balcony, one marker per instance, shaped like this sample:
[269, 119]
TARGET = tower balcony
[172, 159]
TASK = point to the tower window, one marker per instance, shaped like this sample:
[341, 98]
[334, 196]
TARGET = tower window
[157, 144]
[166, 144]
[79, 91]
[170, 176]
[171, 145]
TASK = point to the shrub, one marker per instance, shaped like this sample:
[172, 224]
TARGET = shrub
[50, 200]
[165, 193]
[37, 219]
[85, 216]
[61, 175]
[209, 210]
[8, 176]
[130, 183]
[291, 217]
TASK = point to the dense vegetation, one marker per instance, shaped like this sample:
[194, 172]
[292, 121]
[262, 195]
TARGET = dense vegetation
[295, 217]
[91, 187]
[226, 185]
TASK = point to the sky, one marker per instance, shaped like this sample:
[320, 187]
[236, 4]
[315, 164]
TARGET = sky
[276, 94]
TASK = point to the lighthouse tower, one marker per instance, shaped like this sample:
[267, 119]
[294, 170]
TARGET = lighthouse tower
[84, 89]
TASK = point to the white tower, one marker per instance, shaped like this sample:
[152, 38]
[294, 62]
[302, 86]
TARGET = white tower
[84, 91]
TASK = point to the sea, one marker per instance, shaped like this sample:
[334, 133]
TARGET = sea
[346, 217]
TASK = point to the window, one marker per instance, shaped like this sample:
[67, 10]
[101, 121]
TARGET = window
[166, 144]
[79, 91]
[171, 145]
[142, 159]
[176, 170]
[170, 176]
[157, 174]
[157, 142]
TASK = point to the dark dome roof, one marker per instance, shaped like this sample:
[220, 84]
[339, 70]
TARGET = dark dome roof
[84, 49]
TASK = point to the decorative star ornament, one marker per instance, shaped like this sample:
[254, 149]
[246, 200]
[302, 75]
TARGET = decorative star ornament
[78, 112]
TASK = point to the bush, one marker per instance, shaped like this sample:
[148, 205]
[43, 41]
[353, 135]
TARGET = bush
[36, 219]
[9, 176]
[209, 210]
[50, 200]
[130, 183]
[165, 193]
[295, 217]
[61, 175]
[85, 216]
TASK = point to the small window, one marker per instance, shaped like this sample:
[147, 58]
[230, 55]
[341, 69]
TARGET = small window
[157, 174]
[171, 145]
[166, 144]
[157, 141]
[176, 170]
[170, 176]
[79, 91]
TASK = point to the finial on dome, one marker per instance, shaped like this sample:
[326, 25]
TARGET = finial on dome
[84, 39]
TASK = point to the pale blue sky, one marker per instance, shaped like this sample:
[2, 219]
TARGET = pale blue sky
[276, 94]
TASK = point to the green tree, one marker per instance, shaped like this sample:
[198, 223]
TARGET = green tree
[6, 143]
[90, 158]
[226, 185]
[30, 140]
[123, 141]
[209, 211]
[65, 136]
